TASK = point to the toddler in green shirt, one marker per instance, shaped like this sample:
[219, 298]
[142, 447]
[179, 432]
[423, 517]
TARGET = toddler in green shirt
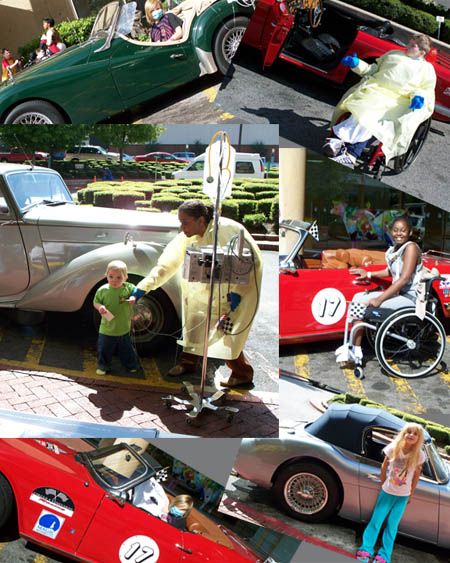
[113, 302]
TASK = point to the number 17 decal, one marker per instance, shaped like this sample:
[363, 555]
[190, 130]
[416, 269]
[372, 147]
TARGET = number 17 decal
[328, 306]
[139, 549]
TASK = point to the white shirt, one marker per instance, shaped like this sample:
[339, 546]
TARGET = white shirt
[398, 479]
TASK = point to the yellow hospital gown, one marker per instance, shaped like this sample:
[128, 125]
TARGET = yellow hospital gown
[195, 294]
[380, 101]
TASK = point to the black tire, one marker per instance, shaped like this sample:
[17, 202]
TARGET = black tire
[6, 501]
[158, 319]
[227, 41]
[315, 482]
[315, 14]
[404, 161]
[423, 349]
[358, 372]
[35, 112]
[4, 160]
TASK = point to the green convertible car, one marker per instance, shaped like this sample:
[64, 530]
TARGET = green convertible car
[111, 71]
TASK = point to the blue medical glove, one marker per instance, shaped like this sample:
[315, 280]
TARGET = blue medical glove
[138, 293]
[417, 102]
[350, 61]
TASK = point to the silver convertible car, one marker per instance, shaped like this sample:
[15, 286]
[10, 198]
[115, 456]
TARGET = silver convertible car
[332, 466]
[54, 252]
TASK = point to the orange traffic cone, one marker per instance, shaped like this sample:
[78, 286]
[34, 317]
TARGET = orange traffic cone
[121, 178]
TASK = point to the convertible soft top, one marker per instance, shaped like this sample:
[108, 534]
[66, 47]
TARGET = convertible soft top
[343, 425]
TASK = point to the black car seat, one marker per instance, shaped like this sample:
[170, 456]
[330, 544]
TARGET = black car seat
[321, 48]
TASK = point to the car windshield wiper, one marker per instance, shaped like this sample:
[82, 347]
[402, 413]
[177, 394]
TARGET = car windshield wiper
[45, 202]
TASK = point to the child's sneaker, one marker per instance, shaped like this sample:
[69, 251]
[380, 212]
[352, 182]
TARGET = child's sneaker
[332, 146]
[378, 559]
[100, 371]
[363, 556]
[346, 159]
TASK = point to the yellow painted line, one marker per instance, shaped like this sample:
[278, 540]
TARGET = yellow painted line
[3, 545]
[407, 395]
[211, 93]
[39, 558]
[301, 364]
[353, 384]
[35, 351]
[225, 116]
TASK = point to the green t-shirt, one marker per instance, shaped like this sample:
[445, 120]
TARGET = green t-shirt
[115, 300]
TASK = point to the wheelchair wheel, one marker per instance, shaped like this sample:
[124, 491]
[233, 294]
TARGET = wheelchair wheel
[404, 161]
[420, 344]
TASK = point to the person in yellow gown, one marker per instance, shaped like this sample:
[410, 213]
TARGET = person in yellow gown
[395, 95]
[234, 306]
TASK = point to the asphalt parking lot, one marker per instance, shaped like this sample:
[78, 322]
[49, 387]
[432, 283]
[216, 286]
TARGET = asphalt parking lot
[316, 362]
[246, 500]
[50, 370]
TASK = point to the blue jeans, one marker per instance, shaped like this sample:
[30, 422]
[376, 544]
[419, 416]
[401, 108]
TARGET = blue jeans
[387, 504]
[107, 346]
[357, 148]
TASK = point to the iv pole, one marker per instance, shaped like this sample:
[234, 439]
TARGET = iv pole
[198, 402]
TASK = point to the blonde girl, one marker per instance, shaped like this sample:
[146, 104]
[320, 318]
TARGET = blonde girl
[163, 27]
[400, 474]
[179, 510]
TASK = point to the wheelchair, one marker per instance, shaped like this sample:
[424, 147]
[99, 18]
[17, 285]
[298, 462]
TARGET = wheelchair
[405, 345]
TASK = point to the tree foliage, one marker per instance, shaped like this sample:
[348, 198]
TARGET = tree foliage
[119, 135]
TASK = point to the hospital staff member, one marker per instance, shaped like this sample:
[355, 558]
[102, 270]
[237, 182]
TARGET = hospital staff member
[226, 338]
[395, 95]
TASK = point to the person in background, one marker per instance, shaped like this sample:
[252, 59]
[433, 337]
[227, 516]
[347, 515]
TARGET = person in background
[163, 27]
[9, 65]
[51, 38]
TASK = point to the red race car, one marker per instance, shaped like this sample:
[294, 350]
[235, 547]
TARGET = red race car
[160, 157]
[281, 29]
[83, 505]
[316, 286]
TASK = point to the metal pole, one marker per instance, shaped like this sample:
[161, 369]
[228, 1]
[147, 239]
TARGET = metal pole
[211, 281]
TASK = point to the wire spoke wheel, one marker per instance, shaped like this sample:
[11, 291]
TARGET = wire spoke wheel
[408, 346]
[306, 493]
[147, 320]
[232, 41]
[32, 118]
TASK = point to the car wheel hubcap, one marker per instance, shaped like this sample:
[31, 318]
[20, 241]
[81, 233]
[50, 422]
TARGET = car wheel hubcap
[147, 320]
[231, 42]
[32, 118]
[306, 493]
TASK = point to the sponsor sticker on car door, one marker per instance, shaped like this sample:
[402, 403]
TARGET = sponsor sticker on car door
[48, 524]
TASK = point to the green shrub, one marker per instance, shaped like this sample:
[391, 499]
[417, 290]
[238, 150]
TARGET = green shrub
[441, 435]
[143, 203]
[266, 195]
[264, 206]
[273, 174]
[230, 209]
[350, 398]
[275, 213]
[254, 222]
[246, 207]
[126, 199]
[254, 188]
[242, 195]
[167, 203]
[87, 194]
[103, 198]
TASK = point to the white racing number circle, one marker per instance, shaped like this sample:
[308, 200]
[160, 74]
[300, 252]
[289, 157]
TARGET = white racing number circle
[139, 549]
[328, 306]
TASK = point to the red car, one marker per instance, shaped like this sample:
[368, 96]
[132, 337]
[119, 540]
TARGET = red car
[80, 504]
[316, 287]
[16, 155]
[278, 31]
[160, 157]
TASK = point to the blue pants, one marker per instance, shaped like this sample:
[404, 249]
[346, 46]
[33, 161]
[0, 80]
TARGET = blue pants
[386, 504]
[107, 346]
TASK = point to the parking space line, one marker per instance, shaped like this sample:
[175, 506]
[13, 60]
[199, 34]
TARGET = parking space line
[225, 116]
[40, 558]
[35, 350]
[354, 385]
[3, 545]
[211, 93]
[301, 364]
[407, 395]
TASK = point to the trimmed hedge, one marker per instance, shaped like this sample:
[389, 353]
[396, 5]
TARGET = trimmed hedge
[104, 198]
[264, 206]
[242, 195]
[125, 200]
[167, 203]
[275, 213]
[266, 195]
[246, 207]
[230, 209]
[254, 222]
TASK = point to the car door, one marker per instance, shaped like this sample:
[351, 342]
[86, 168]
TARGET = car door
[127, 534]
[141, 71]
[14, 272]
[278, 26]
[421, 517]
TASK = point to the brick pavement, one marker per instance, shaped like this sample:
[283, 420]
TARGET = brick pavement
[134, 405]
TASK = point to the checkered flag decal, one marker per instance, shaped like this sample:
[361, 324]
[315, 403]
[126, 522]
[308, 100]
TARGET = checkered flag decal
[356, 310]
[227, 326]
[314, 231]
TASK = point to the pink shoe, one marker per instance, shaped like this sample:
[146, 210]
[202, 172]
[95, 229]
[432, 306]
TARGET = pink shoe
[363, 556]
[378, 559]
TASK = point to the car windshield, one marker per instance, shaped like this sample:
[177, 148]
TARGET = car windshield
[439, 465]
[105, 18]
[35, 187]
[117, 467]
